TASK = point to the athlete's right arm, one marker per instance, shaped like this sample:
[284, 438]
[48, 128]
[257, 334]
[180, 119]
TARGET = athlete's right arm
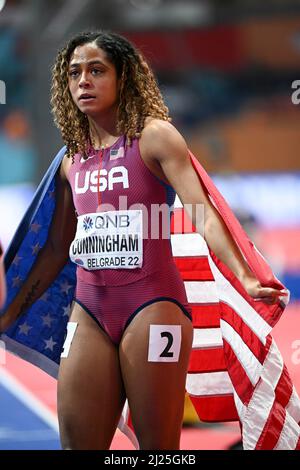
[52, 257]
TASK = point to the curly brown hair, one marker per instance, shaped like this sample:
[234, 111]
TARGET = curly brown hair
[139, 95]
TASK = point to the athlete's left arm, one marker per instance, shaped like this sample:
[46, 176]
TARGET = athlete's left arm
[165, 144]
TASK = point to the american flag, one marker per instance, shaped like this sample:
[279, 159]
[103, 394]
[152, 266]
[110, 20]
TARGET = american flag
[38, 335]
[114, 154]
[236, 370]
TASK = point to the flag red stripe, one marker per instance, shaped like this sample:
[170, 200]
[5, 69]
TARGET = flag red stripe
[272, 428]
[274, 424]
[284, 388]
[248, 336]
[238, 376]
[207, 360]
[194, 268]
[206, 315]
[215, 408]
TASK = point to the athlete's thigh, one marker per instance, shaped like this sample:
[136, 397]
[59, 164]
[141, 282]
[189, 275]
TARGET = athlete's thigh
[155, 390]
[90, 388]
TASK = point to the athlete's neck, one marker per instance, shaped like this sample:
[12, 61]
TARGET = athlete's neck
[103, 135]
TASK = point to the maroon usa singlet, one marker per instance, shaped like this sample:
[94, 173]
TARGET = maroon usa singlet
[122, 246]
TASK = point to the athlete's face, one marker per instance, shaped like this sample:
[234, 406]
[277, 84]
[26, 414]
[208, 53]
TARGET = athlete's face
[93, 81]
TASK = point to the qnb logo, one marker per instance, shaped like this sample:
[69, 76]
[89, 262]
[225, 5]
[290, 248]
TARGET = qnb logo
[106, 180]
[118, 221]
[2, 92]
[87, 223]
[296, 93]
[2, 353]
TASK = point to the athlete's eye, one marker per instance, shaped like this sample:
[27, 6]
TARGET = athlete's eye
[96, 71]
[73, 73]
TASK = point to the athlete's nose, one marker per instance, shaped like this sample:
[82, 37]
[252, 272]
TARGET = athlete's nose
[84, 82]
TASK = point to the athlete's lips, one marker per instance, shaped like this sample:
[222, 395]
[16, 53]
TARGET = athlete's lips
[86, 96]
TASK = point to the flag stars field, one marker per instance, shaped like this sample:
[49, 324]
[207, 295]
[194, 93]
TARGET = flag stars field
[50, 343]
[47, 320]
[24, 328]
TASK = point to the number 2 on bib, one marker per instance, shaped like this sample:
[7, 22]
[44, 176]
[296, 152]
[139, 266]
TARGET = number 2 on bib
[164, 343]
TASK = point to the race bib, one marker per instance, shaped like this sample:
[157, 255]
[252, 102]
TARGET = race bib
[109, 240]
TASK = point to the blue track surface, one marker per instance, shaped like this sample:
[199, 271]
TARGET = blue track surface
[21, 429]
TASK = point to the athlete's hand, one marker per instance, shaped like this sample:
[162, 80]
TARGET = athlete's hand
[268, 295]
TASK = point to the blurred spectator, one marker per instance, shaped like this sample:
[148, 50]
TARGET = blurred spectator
[17, 155]
[13, 68]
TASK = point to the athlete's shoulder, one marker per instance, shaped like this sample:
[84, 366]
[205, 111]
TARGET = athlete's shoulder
[160, 137]
[160, 128]
[65, 167]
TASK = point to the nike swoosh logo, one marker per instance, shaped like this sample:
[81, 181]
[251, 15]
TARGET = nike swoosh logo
[82, 160]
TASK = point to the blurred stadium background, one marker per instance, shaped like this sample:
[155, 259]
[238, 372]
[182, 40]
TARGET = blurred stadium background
[226, 69]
